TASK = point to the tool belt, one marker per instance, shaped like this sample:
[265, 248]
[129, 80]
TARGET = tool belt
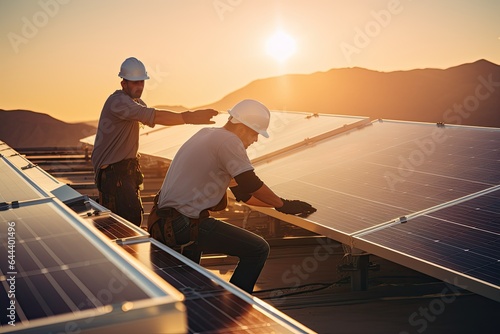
[128, 168]
[160, 225]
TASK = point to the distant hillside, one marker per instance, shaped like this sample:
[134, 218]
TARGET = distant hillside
[24, 128]
[466, 94]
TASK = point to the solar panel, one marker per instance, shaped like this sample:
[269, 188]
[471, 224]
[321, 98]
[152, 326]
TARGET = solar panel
[373, 175]
[6, 150]
[365, 179]
[14, 187]
[181, 276]
[116, 228]
[482, 213]
[60, 270]
[70, 274]
[285, 129]
[40, 179]
[463, 237]
[212, 304]
[58, 276]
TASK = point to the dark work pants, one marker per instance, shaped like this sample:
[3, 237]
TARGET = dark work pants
[119, 192]
[216, 236]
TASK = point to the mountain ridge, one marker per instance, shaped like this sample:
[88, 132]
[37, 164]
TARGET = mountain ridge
[28, 129]
[467, 94]
[392, 95]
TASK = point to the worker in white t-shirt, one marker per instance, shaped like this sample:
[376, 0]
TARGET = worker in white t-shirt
[197, 180]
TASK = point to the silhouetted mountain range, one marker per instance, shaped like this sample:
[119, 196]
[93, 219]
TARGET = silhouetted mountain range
[26, 129]
[467, 94]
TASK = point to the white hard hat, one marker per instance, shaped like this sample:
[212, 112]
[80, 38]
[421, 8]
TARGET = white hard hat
[253, 114]
[133, 69]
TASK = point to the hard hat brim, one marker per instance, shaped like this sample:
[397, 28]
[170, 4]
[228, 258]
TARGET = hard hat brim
[134, 78]
[236, 121]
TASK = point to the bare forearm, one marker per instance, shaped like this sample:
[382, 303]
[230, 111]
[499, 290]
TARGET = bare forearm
[166, 117]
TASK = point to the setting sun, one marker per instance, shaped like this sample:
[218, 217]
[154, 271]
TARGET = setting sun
[281, 46]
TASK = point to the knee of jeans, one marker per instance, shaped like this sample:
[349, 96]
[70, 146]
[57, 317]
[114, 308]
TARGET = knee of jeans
[263, 249]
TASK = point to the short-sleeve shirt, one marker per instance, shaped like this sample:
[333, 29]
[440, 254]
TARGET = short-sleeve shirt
[117, 135]
[201, 171]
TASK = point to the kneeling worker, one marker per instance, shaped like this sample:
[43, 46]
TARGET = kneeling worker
[204, 167]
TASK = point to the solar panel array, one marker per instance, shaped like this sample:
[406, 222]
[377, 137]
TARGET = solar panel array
[366, 177]
[421, 195]
[212, 305]
[285, 129]
[56, 275]
[463, 237]
[363, 181]
[89, 269]
[39, 178]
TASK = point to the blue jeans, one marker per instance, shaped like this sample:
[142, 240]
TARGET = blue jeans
[216, 236]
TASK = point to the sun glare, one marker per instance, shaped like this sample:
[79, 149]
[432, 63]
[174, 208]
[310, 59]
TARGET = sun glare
[281, 46]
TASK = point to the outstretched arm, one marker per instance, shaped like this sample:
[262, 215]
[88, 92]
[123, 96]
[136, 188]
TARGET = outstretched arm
[167, 117]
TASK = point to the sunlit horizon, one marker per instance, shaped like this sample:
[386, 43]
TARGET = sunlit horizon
[62, 58]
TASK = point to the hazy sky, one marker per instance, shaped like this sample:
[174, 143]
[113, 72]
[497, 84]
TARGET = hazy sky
[62, 57]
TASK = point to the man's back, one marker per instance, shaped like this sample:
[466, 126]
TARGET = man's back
[201, 171]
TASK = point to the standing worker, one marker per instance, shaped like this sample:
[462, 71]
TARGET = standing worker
[196, 182]
[115, 155]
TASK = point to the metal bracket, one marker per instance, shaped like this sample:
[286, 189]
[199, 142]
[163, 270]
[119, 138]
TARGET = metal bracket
[358, 268]
[28, 166]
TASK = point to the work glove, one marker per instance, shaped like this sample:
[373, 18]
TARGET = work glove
[296, 207]
[202, 116]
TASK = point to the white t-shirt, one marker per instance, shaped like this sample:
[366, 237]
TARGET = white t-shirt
[201, 171]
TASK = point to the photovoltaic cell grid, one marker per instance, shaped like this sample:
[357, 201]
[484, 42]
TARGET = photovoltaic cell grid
[38, 179]
[361, 182]
[285, 128]
[114, 229]
[57, 270]
[55, 273]
[210, 307]
[383, 171]
[13, 187]
[464, 238]
[61, 273]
